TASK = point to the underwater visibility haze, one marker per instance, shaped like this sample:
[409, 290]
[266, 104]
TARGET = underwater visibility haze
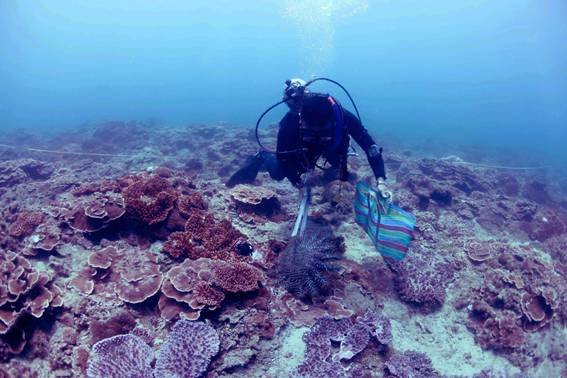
[144, 231]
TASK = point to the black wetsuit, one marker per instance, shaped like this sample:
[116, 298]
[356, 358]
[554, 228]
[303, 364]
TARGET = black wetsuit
[293, 164]
[296, 154]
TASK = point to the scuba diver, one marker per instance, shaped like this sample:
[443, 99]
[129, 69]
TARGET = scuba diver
[316, 126]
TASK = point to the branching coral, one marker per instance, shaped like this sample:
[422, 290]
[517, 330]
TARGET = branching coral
[191, 202]
[306, 265]
[149, 199]
[205, 237]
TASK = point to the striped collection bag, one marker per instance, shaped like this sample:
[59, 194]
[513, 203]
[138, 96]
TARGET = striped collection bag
[389, 226]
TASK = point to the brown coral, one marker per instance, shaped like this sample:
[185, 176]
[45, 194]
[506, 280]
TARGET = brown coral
[149, 199]
[45, 238]
[190, 202]
[538, 309]
[197, 284]
[23, 290]
[25, 224]
[96, 214]
[205, 237]
[138, 284]
[258, 200]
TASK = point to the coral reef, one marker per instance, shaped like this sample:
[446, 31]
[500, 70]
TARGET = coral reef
[322, 358]
[121, 356]
[197, 284]
[22, 170]
[100, 255]
[186, 352]
[421, 278]
[410, 364]
[522, 295]
[23, 291]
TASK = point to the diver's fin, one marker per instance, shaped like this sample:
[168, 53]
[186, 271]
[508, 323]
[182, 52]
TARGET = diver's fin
[248, 172]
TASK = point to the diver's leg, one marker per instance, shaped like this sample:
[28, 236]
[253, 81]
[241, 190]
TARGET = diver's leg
[279, 171]
[273, 166]
[248, 172]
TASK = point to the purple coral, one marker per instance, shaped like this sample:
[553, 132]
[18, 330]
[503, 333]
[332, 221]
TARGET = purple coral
[380, 326]
[410, 364]
[353, 337]
[421, 279]
[121, 356]
[185, 354]
[187, 351]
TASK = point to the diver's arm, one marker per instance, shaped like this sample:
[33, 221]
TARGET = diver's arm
[289, 140]
[364, 140]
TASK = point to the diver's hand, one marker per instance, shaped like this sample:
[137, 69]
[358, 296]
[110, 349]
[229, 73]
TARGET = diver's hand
[383, 189]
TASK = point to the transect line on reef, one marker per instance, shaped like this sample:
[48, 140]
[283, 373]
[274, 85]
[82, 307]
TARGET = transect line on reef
[68, 152]
[455, 161]
[459, 161]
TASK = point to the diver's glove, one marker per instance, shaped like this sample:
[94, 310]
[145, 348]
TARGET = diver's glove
[383, 189]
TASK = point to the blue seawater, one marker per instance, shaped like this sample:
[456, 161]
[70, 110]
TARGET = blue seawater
[444, 75]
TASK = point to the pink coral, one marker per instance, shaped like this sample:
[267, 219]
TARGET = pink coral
[120, 356]
[25, 224]
[186, 353]
[187, 350]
